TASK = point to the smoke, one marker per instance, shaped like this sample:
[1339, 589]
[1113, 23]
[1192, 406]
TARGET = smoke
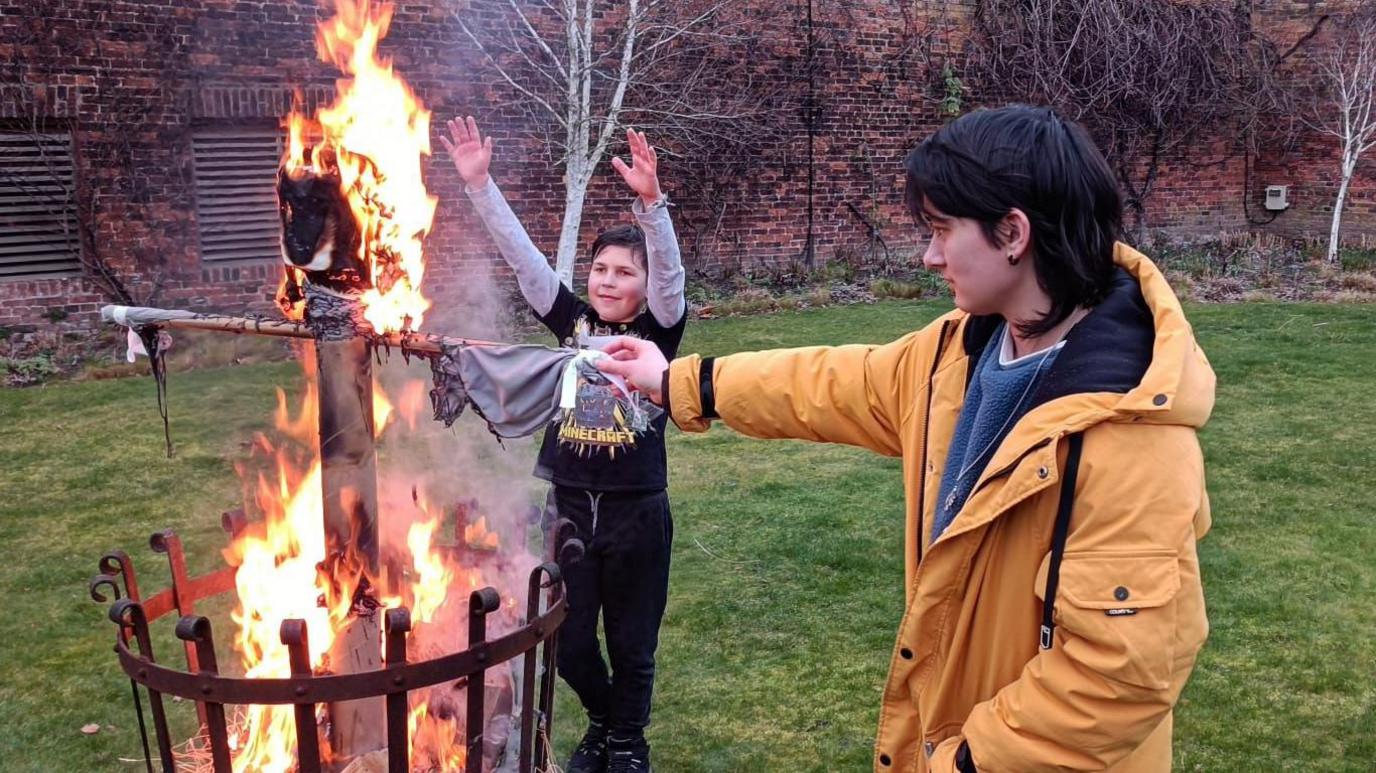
[472, 305]
[454, 468]
[474, 482]
[476, 487]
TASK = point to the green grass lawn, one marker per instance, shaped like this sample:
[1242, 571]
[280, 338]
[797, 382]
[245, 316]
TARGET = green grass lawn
[786, 584]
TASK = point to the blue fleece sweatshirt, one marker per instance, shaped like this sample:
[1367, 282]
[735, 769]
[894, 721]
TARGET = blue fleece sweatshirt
[1000, 393]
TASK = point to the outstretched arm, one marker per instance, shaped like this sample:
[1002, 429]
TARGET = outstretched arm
[472, 154]
[839, 394]
[664, 290]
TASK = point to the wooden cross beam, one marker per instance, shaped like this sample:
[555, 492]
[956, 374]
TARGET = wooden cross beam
[143, 316]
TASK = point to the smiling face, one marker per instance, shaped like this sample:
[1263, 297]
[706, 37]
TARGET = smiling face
[616, 284]
[976, 270]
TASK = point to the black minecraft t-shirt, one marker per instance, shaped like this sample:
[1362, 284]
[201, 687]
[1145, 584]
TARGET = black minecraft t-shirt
[582, 460]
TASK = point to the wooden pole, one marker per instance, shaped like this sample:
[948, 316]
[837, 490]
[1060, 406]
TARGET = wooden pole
[140, 316]
[348, 474]
[348, 460]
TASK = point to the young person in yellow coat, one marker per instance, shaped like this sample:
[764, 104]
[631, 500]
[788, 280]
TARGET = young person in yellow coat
[1054, 484]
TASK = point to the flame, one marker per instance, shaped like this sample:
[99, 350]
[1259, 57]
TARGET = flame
[379, 133]
[279, 577]
[277, 580]
[293, 307]
[476, 535]
[374, 137]
[293, 157]
[433, 575]
[382, 410]
[435, 743]
[288, 296]
[414, 399]
[306, 424]
[285, 572]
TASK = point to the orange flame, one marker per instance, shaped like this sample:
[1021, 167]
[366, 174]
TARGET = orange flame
[379, 132]
[276, 581]
[293, 307]
[435, 743]
[304, 427]
[295, 153]
[288, 295]
[382, 410]
[433, 576]
[285, 572]
[477, 536]
[282, 575]
[374, 137]
[413, 401]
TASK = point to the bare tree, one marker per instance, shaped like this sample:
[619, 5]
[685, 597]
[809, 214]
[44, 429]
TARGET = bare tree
[1345, 107]
[1151, 80]
[585, 69]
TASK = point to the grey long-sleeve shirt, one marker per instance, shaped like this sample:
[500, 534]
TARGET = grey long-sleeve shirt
[540, 283]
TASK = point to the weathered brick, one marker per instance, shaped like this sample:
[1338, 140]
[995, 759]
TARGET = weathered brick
[136, 80]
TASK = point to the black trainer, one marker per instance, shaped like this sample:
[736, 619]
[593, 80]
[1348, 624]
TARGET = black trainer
[630, 761]
[591, 754]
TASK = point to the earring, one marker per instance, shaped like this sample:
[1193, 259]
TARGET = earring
[1013, 259]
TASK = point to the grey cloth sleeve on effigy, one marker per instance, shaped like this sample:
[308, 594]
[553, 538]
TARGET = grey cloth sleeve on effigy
[539, 282]
[515, 388]
[664, 287]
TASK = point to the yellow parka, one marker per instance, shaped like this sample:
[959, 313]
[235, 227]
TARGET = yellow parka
[1129, 613]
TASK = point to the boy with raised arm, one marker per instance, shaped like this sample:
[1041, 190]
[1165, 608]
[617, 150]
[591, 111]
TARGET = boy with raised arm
[610, 482]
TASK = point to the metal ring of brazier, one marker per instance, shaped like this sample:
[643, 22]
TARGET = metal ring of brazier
[209, 689]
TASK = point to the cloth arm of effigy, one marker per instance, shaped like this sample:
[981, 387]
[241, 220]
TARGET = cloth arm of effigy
[520, 389]
[139, 316]
[515, 388]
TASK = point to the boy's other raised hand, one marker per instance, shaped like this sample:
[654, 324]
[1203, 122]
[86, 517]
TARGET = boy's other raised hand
[469, 150]
[642, 174]
[638, 361]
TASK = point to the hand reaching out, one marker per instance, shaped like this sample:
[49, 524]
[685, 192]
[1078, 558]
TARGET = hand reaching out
[638, 361]
[469, 150]
[642, 175]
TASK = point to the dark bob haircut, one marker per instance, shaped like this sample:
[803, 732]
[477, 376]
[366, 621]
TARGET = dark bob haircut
[988, 163]
[629, 236]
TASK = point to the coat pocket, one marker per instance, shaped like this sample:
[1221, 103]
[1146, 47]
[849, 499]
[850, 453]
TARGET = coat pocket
[1116, 613]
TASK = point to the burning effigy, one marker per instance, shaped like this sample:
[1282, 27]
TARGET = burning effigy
[375, 626]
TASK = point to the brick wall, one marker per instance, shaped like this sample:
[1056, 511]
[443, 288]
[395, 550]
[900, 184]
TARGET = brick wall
[1309, 162]
[131, 79]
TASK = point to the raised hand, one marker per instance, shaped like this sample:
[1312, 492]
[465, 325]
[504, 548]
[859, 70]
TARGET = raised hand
[469, 150]
[642, 175]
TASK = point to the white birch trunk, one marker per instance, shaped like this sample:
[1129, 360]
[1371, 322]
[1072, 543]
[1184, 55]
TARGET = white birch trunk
[1349, 168]
[575, 193]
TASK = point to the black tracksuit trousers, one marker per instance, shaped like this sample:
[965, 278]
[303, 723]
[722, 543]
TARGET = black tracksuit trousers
[623, 576]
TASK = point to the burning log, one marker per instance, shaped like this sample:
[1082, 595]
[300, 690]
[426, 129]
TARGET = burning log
[348, 466]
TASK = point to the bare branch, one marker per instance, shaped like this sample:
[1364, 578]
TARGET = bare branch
[1151, 80]
[535, 36]
[500, 70]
